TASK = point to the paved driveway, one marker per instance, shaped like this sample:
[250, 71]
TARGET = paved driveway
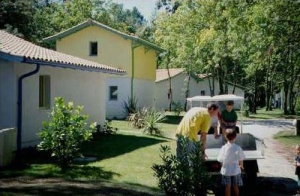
[277, 169]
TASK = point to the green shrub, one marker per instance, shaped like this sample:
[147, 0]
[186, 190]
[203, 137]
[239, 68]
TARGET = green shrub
[186, 175]
[65, 132]
[137, 118]
[106, 129]
[177, 108]
[151, 119]
[130, 106]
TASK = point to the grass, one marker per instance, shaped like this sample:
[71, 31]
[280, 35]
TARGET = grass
[262, 114]
[288, 138]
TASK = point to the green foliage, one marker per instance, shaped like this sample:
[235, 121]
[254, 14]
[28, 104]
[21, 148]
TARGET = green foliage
[65, 132]
[130, 106]
[184, 175]
[177, 108]
[35, 20]
[298, 105]
[147, 119]
[106, 129]
[151, 119]
[137, 118]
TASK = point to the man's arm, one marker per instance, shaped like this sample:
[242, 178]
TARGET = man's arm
[203, 141]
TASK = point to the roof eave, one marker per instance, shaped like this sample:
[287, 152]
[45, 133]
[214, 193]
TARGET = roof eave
[146, 43]
[10, 57]
[73, 66]
[21, 59]
[67, 32]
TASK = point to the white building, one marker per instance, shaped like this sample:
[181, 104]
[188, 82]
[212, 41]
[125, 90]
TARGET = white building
[198, 86]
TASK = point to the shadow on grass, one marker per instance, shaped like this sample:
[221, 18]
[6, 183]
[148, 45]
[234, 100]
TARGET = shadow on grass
[61, 187]
[109, 146]
[266, 186]
[170, 119]
[50, 170]
[274, 186]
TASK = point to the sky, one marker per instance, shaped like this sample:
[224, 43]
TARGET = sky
[146, 7]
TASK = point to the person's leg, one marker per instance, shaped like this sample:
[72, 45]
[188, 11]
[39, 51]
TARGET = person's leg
[237, 181]
[226, 181]
[227, 190]
[298, 191]
[236, 190]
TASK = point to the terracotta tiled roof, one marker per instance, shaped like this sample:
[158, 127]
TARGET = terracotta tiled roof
[162, 74]
[28, 52]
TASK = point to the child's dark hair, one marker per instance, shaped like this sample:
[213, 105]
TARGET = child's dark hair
[212, 106]
[230, 134]
[230, 102]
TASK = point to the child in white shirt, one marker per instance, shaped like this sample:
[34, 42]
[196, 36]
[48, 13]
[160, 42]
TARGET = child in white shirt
[231, 156]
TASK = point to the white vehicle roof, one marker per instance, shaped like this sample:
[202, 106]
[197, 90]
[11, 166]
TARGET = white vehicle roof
[216, 98]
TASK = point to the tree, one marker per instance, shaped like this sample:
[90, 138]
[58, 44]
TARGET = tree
[17, 16]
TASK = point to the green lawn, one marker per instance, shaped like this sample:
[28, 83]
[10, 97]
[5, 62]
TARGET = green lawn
[262, 114]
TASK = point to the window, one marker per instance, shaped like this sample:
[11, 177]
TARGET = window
[113, 93]
[44, 92]
[93, 48]
[202, 93]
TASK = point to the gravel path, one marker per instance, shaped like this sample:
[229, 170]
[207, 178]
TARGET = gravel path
[277, 172]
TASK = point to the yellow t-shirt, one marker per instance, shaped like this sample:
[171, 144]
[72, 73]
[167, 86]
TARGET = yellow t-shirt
[195, 120]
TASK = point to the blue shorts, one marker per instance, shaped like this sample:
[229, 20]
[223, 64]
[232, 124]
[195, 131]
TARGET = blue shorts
[232, 180]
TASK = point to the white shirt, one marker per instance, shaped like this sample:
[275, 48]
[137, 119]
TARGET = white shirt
[229, 156]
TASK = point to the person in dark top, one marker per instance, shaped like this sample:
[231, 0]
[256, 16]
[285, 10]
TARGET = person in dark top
[228, 117]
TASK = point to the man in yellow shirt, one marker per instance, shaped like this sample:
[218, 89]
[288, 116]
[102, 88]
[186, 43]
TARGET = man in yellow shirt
[196, 120]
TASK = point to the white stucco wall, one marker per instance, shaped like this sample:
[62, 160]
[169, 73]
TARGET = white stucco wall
[178, 85]
[82, 87]
[8, 100]
[161, 92]
[114, 108]
[142, 89]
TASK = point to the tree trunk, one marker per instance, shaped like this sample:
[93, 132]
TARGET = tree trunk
[286, 92]
[211, 85]
[187, 91]
[170, 97]
[255, 94]
[292, 99]
[220, 79]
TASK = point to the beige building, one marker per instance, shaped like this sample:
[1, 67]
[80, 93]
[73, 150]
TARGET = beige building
[100, 43]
